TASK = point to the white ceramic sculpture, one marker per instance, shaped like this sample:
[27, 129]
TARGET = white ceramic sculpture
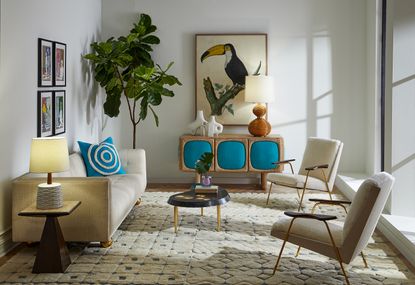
[213, 127]
[198, 125]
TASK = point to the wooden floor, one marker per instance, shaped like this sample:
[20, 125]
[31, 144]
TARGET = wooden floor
[175, 187]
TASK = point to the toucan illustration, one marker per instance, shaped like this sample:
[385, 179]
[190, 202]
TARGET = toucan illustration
[234, 67]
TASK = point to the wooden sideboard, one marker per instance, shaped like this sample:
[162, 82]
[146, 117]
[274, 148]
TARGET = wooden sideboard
[233, 153]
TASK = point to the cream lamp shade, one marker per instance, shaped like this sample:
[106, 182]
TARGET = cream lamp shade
[259, 89]
[49, 155]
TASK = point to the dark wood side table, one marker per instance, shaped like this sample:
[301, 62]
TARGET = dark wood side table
[190, 199]
[52, 255]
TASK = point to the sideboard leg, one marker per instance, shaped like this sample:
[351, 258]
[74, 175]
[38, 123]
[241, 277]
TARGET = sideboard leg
[197, 177]
[264, 181]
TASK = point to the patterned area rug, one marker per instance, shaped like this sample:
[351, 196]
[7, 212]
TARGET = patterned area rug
[147, 251]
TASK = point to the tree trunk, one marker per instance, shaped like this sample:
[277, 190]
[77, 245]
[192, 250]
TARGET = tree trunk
[134, 132]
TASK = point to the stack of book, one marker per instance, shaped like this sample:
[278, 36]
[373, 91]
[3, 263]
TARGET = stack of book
[200, 189]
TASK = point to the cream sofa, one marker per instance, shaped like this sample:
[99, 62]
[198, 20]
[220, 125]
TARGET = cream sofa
[105, 201]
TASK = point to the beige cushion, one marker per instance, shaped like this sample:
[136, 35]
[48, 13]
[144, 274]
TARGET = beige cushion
[309, 229]
[296, 181]
[364, 213]
[125, 191]
[76, 167]
[320, 151]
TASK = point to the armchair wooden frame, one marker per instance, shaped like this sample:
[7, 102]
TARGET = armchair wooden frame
[308, 169]
[322, 218]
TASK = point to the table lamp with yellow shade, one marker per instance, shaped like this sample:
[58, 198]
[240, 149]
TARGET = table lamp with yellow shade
[259, 89]
[48, 155]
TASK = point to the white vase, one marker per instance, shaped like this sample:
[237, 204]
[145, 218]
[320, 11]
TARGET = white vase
[213, 127]
[198, 125]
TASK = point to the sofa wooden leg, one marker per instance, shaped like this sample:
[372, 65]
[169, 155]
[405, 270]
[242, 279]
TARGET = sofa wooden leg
[106, 244]
[138, 202]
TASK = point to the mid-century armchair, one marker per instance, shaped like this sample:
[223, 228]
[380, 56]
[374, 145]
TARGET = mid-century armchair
[342, 241]
[318, 168]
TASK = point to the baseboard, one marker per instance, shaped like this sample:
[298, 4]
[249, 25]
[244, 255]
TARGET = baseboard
[219, 180]
[405, 246]
[6, 243]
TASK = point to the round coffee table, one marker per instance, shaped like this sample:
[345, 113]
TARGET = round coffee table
[190, 199]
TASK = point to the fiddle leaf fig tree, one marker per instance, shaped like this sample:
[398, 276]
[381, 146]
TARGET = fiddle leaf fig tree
[124, 67]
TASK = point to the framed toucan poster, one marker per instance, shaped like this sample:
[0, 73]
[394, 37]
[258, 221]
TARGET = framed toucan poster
[222, 63]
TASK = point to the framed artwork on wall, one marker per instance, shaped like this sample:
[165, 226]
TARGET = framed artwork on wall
[59, 112]
[45, 63]
[222, 62]
[59, 60]
[44, 113]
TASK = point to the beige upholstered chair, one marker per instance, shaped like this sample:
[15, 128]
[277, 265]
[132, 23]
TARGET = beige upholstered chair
[318, 168]
[342, 241]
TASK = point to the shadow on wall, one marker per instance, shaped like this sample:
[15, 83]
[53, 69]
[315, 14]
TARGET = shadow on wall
[396, 85]
[317, 98]
[87, 93]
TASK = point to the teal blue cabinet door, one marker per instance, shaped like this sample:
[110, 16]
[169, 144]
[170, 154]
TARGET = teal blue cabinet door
[231, 155]
[263, 154]
[193, 150]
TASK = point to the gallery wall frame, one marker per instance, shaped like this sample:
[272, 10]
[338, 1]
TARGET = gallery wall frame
[59, 112]
[221, 63]
[59, 64]
[44, 113]
[45, 63]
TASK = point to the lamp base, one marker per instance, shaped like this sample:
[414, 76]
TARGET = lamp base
[259, 127]
[49, 196]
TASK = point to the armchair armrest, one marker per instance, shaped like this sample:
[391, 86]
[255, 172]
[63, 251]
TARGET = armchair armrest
[310, 216]
[284, 161]
[314, 167]
[327, 201]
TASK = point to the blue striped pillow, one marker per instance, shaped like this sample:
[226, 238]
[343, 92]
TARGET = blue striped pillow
[101, 159]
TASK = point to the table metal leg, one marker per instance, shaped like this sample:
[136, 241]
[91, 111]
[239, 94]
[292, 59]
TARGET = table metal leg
[218, 216]
[176, 218]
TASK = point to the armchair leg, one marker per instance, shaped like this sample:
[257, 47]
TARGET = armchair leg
[282, 247]
[364, 259]
[336, 250]
[269, 192]
[298, 251]
[301, 200]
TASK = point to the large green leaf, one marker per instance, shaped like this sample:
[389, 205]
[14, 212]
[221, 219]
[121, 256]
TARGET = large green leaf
[151, 40]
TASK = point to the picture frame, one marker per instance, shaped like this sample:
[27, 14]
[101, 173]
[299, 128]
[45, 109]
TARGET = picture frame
[222, 62]
[59, 64]
[59, 112]
[45, 63]
[45, 114]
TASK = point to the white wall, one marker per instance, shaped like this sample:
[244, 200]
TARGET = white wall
[74, 22]
[316, 51]
[402, 108]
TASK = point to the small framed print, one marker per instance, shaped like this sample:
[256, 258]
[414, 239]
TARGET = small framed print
[59, 59]
[44, 113]
[59, 112]
[45, 63]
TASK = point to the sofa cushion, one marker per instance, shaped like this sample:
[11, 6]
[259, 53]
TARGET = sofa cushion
[101, 159]
[76, 167]
[125, 191]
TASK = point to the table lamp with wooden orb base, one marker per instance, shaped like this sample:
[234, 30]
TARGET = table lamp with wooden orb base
[259, 89]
